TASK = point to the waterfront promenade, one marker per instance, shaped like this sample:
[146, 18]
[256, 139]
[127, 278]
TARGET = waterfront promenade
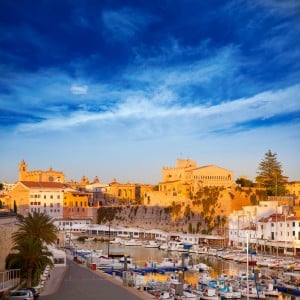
[76, 282]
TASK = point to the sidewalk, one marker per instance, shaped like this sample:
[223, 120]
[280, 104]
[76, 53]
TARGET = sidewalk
[53, 283]
[57, 275]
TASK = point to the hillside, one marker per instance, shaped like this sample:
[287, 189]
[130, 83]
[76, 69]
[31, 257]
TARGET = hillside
[206, 212]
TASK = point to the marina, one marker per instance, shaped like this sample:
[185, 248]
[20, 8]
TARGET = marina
[208, 275]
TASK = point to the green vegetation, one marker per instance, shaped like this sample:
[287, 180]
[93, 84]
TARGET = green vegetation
[243, 182]
[270, 175]
[29, 252]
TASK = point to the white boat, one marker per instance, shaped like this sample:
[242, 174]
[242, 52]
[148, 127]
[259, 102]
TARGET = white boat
[207, 293]
[179, 246]
[105, 262]
[116, 240]
[227, 292]
[270, 290]
[132, 242]
[152, 244]
[200, 267]
[166, 295]
[252, 292]
[164, 246]
[169, 262]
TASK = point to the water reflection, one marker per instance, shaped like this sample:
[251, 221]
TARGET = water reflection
[141, 255]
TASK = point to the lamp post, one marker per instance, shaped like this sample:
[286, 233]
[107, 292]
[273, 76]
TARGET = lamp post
[247, 267]
[276, 233]
[285, 232]
[108, 239]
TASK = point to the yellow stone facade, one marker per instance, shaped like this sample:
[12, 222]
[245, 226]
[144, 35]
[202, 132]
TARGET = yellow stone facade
[20, 194]
[128, 192]
[186, 178]
[293, 187]
[76, 204]
[39, 175]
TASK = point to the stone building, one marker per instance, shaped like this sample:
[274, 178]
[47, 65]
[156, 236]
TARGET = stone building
[39, 175]
[133, 193]
[31, 196]
[186, 178]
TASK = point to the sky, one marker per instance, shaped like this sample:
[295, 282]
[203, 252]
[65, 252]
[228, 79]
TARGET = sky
[119, 89]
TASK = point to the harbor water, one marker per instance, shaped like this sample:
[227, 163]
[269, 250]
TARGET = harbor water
[141, 255]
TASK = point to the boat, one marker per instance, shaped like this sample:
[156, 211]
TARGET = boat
[106, 262]
[200, 267]
[207, 293]
[228, 292]
[169, 262]
[290, 283]
[132, 242]
[116, 240]
[152, 244]
[270, 290]
[252, 292]
[166, 295]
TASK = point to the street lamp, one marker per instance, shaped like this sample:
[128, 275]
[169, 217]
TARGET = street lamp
[285, 237]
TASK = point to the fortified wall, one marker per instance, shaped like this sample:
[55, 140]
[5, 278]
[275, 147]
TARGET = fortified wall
[7, 228]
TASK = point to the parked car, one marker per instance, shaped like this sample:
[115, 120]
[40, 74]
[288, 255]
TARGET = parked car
[35, 293]
[22, 294]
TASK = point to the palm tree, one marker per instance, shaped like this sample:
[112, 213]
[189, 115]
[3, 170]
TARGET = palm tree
[38, 225]
[31, 256]
[30, 251]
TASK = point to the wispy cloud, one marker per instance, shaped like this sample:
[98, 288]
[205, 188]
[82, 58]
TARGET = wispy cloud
[79, 89]
[209, 118]
[125, 23]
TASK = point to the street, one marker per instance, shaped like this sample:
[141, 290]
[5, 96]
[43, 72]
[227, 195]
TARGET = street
[80, 283]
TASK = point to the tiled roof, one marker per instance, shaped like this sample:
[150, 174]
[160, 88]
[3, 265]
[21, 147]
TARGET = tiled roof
[279, 218]
[44, 184]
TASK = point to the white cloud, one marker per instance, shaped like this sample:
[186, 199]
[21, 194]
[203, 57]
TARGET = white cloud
[79, 89]
[179, 118]
[125, 23]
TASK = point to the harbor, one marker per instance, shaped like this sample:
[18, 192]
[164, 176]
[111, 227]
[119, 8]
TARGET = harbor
[160, 270]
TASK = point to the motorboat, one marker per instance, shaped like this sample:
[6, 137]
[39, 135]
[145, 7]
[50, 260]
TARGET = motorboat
[152, 244]
[132, 242]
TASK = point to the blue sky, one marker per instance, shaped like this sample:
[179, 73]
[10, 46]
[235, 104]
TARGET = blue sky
[119, 89]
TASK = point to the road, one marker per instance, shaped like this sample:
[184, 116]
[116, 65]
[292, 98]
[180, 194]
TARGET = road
[80, 283]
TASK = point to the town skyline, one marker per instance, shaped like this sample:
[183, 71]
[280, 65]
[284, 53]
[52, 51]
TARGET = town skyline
[122, 88]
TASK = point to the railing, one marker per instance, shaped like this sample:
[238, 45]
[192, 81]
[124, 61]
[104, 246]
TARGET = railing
[9, 279]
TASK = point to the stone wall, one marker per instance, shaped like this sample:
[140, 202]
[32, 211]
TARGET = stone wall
[7, 227]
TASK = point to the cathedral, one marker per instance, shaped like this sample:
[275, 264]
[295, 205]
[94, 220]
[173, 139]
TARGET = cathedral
[39, 175]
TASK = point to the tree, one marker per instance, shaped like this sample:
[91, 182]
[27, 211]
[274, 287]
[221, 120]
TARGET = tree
[15, 207]
[270, 175]
[38, 225]
[244, 182]
[29, 252]
[30, 256]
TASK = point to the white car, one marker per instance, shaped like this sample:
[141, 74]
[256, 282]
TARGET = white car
[25, 294]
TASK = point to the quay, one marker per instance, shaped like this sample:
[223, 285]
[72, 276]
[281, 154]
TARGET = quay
[77, 282]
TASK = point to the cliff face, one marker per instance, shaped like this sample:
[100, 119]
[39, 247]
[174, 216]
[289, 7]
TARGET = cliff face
[204, 213]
